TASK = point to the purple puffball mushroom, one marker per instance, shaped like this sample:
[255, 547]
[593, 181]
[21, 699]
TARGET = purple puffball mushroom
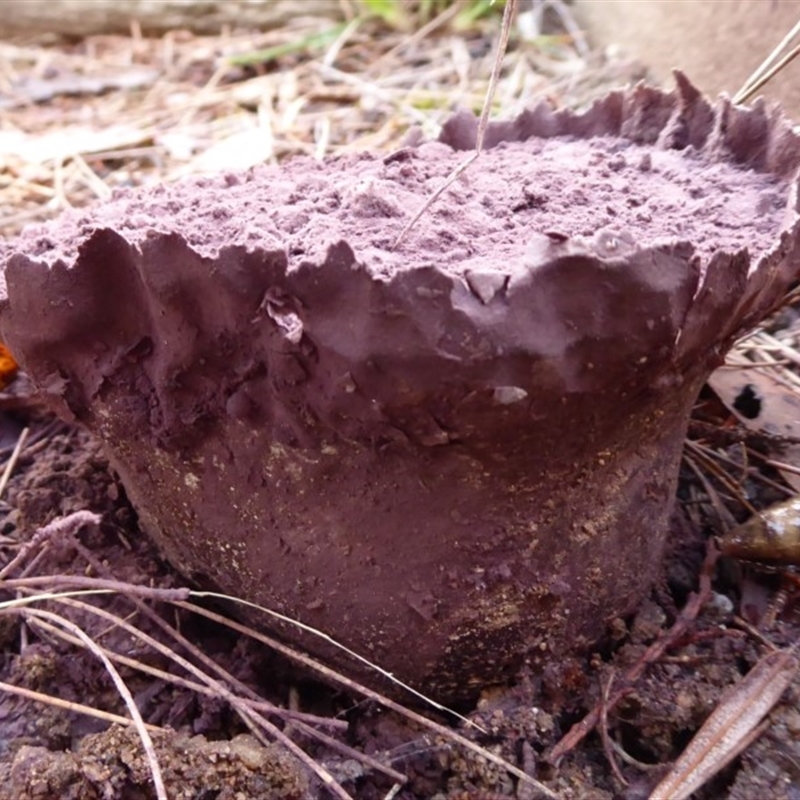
[454, 457]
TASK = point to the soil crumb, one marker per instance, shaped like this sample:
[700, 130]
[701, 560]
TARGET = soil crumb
[113, 764]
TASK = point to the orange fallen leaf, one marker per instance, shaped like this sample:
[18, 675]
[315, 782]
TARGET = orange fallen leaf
[8, 367]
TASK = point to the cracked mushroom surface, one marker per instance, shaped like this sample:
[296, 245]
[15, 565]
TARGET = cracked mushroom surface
[456, 456]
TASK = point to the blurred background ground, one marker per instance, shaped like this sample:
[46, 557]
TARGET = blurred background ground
[97, 96]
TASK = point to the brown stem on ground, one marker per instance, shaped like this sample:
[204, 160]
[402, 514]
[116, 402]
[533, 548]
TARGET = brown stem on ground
[605, 691]
[696, 601]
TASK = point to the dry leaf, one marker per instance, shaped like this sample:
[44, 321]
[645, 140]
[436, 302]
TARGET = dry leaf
[761, 403]
[730, 728]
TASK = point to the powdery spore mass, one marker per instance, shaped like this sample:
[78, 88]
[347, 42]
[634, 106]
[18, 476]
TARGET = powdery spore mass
[512, 196]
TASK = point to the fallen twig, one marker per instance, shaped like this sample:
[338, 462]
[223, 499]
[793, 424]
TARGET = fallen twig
[141, 728]
[605, 691]
[70, 705]
[220, 689]
[91, 585]
[696, 601]
[330, 640]
[347, 683]
[176, 596]
[63, 526]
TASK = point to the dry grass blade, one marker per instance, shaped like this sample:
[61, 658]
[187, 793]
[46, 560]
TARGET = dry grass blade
[749, 455]
[248, 707]
[244, 708]
[508, 14]
[12, 461]
[502, 46]
[724, 517]
[103, 586]
[451, 179]
[769, 341]
[208, 690]
[93, 585]
[787, 59]
[249, 715]
[782, 465]
[220, 690]
[766, 71]
[771, 366]
[605, 691]
[141, 729]
[330, 640]
[730, 727]
[69, 705]
[347, 683]
[706, 458]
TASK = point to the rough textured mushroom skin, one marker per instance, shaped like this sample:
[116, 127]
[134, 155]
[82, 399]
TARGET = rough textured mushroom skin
[450, 469]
